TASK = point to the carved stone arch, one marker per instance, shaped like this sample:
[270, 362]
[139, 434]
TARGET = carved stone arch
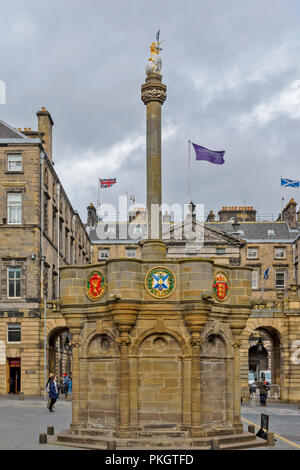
[101, 343]
[272, 323]
[53, 327]
[216, 329]
[185, 348]
[92, 335]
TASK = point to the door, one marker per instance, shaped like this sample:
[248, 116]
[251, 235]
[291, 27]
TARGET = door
[14, 375]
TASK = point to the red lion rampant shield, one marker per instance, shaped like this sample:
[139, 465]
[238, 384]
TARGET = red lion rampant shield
[95, 285]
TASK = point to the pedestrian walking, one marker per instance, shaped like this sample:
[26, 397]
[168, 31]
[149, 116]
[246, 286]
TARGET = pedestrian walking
[70, 386]
[66, 385]
[53, 393]
[263, 393]
[47, 389]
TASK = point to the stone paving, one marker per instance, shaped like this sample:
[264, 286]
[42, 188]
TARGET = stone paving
[21, 422]
[284, 420]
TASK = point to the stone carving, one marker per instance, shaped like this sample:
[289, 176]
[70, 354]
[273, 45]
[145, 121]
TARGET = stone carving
[154, 94]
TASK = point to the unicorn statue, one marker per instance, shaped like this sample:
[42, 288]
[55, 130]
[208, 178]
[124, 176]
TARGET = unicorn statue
[154, 62]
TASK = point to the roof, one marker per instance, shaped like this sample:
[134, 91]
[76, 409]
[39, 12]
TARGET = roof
[266, 232]
[11, 136]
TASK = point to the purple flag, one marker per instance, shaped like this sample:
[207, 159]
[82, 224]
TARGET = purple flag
[209, 155]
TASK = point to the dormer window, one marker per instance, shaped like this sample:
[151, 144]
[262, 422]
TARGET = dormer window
[271, 233]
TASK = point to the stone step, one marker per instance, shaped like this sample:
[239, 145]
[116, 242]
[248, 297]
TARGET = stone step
[232, 441]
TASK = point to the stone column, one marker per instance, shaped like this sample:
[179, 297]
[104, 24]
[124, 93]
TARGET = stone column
[153, 96]
[196, 342]
[124, 323]
[237, 424]
[75, 376]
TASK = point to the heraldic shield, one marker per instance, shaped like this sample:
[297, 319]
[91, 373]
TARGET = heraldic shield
[221, 286]
[95, 285]
[160, 282]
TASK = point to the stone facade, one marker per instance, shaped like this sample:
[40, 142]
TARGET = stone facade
[142, 365]
[32, 200]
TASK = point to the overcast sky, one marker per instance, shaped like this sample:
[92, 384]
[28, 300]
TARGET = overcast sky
[232, 72]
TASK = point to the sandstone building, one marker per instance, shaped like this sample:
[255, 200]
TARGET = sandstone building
[39, 232]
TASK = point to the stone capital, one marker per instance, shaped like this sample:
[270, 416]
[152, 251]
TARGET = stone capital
[154, 91]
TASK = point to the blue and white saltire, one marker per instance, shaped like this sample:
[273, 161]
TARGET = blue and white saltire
[287, 183]
[266, 274]
[160, 282]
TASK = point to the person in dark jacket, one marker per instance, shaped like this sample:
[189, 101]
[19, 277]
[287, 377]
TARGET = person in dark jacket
[263, 389]
[53, 393]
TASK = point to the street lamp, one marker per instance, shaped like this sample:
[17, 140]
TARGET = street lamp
[259, 346]
[68, 347]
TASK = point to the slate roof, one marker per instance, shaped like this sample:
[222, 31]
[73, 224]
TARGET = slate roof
[258, 231]
[9, 135]
[6, 132]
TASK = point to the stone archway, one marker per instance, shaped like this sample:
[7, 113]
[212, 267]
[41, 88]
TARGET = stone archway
[274, 336]
[60, 352]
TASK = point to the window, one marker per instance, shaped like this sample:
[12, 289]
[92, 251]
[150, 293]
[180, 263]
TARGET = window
[271, 233]
[14, 208]
[254, 279]
[220, 251]
[14, 162]
[131, 252]
[279, 253]
[279, 279]
[252, 253]
[104, 253]
[13, 332]
[14, 283]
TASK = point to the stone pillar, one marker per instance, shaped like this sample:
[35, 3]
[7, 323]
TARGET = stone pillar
[75, 376]
[237, 424]
[124, 323]
[196, 342]
[153, 96]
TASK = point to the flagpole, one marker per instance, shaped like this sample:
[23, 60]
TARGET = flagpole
[281, 199]
[98, 202]
[189, 168]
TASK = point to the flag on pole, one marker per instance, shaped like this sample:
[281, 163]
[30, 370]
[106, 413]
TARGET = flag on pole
[266, 274]
[286, 183]
[211, 156]
[157, 35]
[107, 183]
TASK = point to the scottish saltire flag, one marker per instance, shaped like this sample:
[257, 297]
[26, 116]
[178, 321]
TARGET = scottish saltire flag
[211, 156]
[266, 274]
[107, 183]
[289, 183]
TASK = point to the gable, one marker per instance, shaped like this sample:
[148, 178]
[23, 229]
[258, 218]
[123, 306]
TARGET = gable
[7, 132]
[212, 236]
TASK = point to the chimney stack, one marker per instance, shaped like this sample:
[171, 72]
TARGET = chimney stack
[45, 124]
[91, 215]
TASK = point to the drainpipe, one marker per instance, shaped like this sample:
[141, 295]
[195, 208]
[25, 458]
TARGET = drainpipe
[58, 239]
[42, 260]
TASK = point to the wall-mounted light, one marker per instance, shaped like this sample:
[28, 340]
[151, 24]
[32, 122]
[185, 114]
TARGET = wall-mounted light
[43, 258]
[33, 256]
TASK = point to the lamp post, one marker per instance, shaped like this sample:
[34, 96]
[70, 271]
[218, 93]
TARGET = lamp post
[260, 346]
